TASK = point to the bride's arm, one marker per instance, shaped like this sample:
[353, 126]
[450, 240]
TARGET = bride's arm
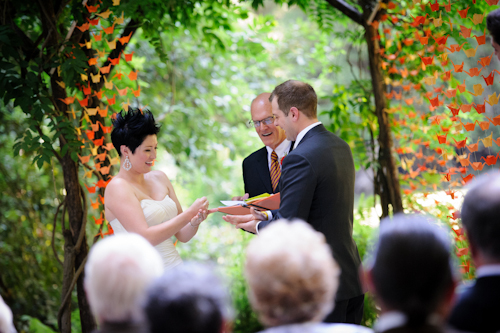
[124, 205]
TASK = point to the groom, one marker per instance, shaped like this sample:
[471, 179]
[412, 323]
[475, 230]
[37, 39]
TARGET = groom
[317, 186]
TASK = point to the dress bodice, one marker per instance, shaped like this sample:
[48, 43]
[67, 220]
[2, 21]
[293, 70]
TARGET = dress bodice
[157, 212]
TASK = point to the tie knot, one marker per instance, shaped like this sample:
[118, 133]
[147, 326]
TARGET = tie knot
[274, 156]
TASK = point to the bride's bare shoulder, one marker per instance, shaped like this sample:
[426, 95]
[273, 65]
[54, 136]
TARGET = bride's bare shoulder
[118, 185]
[159, 176]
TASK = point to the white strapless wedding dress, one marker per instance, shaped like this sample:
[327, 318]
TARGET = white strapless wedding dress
[157, 212]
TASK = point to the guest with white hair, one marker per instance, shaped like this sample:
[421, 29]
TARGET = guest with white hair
[118, 271]
[293, 279]
[6, 324]
[189, 298]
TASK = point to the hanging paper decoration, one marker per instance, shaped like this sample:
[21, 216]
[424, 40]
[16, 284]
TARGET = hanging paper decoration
[95, 120]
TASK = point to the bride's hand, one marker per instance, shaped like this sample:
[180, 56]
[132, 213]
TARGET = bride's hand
[199, 204]
[200, 217]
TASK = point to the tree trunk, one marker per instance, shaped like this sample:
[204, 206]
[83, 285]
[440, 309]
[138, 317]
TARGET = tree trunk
[386, 179]
[75, 239]
[387, 174]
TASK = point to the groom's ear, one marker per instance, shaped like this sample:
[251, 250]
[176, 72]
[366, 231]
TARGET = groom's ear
[294, 113]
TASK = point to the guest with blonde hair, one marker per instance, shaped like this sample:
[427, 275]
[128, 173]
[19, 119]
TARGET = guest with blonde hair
[118, 271]
[293, 279]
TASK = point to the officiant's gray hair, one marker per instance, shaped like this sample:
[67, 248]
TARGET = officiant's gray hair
[291, 274]
[118, 271]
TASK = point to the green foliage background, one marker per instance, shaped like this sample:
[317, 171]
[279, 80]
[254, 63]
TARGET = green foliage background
[198, 78]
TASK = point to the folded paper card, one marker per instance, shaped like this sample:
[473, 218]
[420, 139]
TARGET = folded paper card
[262, 202]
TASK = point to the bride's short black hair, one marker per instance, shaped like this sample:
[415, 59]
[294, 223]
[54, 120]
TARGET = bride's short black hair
[132, 127]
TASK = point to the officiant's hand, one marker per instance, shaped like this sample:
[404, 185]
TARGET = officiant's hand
[242, 198]
[246, 222]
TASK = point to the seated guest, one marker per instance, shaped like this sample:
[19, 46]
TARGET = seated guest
[478, 306]
[411, 275]
[6, 324]
[118, 271]
[292, 279]
[188, 299]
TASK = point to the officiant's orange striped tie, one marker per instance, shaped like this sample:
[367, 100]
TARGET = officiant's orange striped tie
[275, 170]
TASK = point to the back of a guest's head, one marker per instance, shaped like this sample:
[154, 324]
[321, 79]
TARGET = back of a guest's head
[190, 298]
[291, 274]
[117, 273]
[6, 324]
[493, 24]
[411, 267]
[481, 215]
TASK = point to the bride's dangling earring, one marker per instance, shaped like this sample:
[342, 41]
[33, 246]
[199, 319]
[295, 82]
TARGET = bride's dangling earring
[126, 164]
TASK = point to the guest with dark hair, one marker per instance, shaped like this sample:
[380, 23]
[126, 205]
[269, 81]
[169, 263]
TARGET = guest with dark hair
[411, 275]
[493, 25]
[141, 200]
[292, 279]
[188, 299]
[479, 305]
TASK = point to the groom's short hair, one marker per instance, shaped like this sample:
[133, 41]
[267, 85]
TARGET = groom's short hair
[297, 94]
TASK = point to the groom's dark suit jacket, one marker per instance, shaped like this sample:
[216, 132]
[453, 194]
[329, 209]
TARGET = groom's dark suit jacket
[478, 308]
[317, 186]
[256, 174]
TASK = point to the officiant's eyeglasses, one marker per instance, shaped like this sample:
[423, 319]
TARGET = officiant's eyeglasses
[256, 123]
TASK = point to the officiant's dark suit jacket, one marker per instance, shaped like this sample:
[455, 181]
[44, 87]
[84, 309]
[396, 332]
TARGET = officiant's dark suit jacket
[478, 308]
[317, 186]
[256, 174]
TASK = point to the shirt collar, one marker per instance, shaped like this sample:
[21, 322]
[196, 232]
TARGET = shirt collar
[302, 133]
[487, 270]
[282, 149]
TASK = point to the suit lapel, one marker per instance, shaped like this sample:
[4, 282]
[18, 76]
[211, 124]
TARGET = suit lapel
[263, 170]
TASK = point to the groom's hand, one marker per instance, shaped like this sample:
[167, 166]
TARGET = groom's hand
[246, 222]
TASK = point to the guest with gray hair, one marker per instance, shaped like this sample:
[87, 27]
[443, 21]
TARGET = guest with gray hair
[478, 306]
[189, 298]
[117, 273]
[6, 324]
[293, 279]
[411, 275]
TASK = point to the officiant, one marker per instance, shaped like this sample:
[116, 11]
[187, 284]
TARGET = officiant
[262, 168]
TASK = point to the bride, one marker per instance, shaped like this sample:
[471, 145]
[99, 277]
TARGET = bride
[141, 200]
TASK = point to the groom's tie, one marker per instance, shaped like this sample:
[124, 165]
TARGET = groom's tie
[275, 170]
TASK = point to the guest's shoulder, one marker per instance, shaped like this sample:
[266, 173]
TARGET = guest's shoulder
[345, 328]
[318, 328]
